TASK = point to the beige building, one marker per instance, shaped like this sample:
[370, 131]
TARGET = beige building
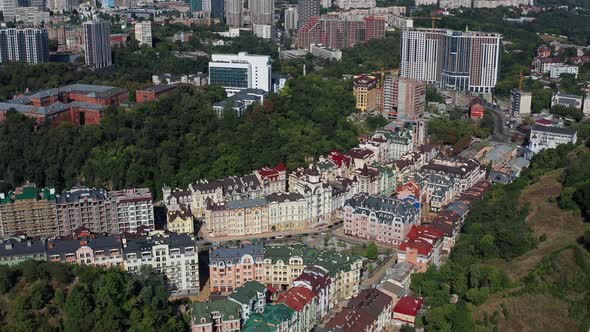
[28, 210]
[365, 91]
[286, 212]
[181, 221]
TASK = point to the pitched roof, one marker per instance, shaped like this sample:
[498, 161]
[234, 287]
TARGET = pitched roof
[361, 311]
[296, 297]
[408, 305]
[421, 238]
[247, 291]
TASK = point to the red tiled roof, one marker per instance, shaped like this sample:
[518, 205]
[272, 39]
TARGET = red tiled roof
[339, 158]
[315, 280]
[360, 153]
[408, 305]
[271, 172]
[422, 239]
[296, 298]
[545, 122]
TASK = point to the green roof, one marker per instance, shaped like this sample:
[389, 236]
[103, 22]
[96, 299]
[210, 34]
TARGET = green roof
[225, 307]
[247, 292]
[330, 260]
[29, 192]
[272, 316]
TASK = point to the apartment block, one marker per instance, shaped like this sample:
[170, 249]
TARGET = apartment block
[143, 33]
[465, 172]
[251, 296]
[221, 315]
[422, 247]
[28, 45]
[520, 102]
[339, 33]
[365, 92]
[97, 45]
[15, 250]
[371, 310]
[83, 247]
[134, 209]
[28, 210]
[181, 221]
[403, 98]
[381, 219]
[85, 207]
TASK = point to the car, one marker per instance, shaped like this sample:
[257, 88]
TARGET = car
[273, 238]
[316, 234]
[207, 243]
[289, 236]
[280, 236]
[330, 226]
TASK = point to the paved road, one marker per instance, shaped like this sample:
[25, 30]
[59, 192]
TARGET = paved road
[499, 133]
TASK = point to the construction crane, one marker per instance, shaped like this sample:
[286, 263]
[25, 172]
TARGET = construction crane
[431, 17]
[520, 80]
[383, 71]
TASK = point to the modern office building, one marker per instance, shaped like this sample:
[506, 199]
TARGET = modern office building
[520, 102]
[97, 46]
[454, 60]
[24, 45]
[262, 12]
[306, 9]
[291, 18]
[236, 72]
[218, 9]
[143, 33]
[28, 210]
[196, 5]
[403, 98]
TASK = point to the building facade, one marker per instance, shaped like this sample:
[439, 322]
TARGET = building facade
[236, 72]
[97, 45]
[28, 45]
[143, 33]
[28, 210]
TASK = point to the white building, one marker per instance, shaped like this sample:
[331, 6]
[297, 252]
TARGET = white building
[264, 31]
[8, 7]
[236, 72]
[351, 4]
[318, 196]
[173, 255]
[498, 3]
[567, 100]
[556, 70]
[400, 22]
[198, 79]
[452, 4]
[325, 52]
[520, 102]
[31, 15]
[143, 33]
[291, 18]
[134, 208]
[543, 137]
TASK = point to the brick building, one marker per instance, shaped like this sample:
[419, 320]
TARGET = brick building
[154, 93]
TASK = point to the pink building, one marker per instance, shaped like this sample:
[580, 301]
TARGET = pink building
[85, 248]
[231, 267]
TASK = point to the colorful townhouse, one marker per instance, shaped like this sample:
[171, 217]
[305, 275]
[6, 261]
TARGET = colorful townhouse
[422, 247]
[369, 311]
[302, 300]
[223, 315]
[251, 296]
[278, 318]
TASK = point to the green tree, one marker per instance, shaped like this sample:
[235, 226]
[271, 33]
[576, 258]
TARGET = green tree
[41, 294]
[372, 251]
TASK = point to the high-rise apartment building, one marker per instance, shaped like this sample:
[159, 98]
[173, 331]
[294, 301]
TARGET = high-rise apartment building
[97, 44]
[24, 45]
[28, 210]
[233, 13]
[403, 98]
[236, 72]
[84, 207]
[7, 8]
[143, 33]
[464, 61]
[218, 9]
[520, 102]
[364, 89]
[196, 5]
[306, 9]
[134, 208]
[262, 12]
[340, 33]
[291, 18]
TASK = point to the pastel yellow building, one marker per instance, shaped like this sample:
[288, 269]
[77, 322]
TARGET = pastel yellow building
[181, 221]
[365, 90]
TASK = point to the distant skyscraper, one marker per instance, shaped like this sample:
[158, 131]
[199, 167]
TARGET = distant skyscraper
[262, 12]
[291, 18]
[97, 44]
[464, 61]
[143, 33]
[218, 9]
[26, 45]
[7, 9]
[196, 5]
[307, 9]
[233, 13]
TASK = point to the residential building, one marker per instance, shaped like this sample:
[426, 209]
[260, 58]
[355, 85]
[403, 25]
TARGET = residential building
[85, 248]
[349, 4]
[453, 4]
[542, 65]
[397, 280]
[318, 196]
[8, 9]
[143, 33]
[381, 219]
[400, 22]
[543, 137]
[520, 102]
[181, 221]
[544, 51]
[306, 9]
[28, 45]
[406, 310]
[365, 91]
[325, 52]
[134, 208]
[440, 190]
[369, 311]
[97, 46]
[466, 172]
[199, 79]
[177, 199]
[222, 315]
[319, 282]
[567, 100]
[262, 12]
[232, 267]
[403, 98]
[340, 33]
[85, 207]
[278, 317]
[504, 3]
[28, 210]
[287, 212]
[242, 71]
[175, 256]
[233, 12]
[154, 93]
[449, 221]
[31, 16]
[264, 31]
[302, 300]
[251, 296]
[422, 247]
[195, 5]
[291, 19]
[464, 61]
[15, 250]
[556, 71]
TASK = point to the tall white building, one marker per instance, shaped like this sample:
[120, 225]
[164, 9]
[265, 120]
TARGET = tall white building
[454, 60]
[233, 13]
[24, 45]
[143, 33]
[236, 72]
[97, 44]
[7, 7]
[262, 12]
[291, 18]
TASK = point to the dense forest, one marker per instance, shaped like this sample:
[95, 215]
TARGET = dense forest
[42, 296]
[494, 229]
[179, 139]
